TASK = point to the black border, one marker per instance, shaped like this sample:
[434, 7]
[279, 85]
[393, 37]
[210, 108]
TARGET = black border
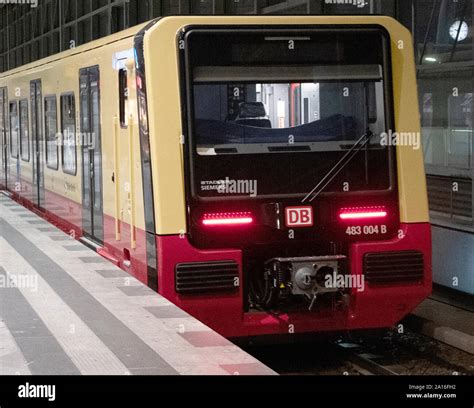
[127, 390]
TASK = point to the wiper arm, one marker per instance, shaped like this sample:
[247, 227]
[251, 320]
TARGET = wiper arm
[339, 166]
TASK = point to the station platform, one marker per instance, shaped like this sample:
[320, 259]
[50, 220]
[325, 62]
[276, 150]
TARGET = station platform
[65, 310]
[448, 321]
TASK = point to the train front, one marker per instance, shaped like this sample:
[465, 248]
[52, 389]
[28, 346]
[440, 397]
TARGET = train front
[302, 168]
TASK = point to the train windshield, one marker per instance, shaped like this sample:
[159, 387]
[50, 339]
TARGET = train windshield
[283, 110]
[280, 117]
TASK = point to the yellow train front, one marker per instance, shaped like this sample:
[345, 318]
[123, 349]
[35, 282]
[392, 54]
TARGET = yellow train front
[280, 167]
[286, 200]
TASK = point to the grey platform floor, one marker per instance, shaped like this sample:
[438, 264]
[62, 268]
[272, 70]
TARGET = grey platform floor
[64, 310]
[444, 322]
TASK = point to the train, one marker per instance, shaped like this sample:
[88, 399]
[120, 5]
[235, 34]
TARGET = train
[256, 171]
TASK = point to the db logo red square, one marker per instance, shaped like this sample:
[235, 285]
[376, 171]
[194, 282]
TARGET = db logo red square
[299, 217]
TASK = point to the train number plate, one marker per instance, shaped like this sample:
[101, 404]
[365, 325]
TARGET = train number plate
[299, 217]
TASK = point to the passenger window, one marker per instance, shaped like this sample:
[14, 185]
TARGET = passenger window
[3, 135]
[24, 132]
[123, 97]
[2, 119]
[51, 127]
[14, 130]
[68, 128]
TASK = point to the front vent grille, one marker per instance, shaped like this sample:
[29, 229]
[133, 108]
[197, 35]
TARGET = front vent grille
[386, 268]
[207, 277]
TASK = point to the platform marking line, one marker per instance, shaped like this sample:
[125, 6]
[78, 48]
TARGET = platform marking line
[88, 353]
[41, 350]
[124, 343]
[162, 335]
[12, 361]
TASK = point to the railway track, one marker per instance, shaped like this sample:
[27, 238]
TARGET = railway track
[389, 354]
[365, 363]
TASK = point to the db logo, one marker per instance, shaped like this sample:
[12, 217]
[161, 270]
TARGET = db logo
[299, 217]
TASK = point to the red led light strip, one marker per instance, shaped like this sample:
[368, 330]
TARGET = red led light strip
[362, 213]
[227, 219]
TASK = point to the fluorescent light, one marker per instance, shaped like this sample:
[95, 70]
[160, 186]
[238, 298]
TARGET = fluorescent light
[431, 59]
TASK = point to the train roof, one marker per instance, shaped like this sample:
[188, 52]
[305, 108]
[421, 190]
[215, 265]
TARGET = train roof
[130, 32]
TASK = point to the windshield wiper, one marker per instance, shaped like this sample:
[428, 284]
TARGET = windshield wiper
[339, 166]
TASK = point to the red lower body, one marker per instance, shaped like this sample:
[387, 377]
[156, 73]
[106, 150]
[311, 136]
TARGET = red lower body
[57, 209]
[375, 307]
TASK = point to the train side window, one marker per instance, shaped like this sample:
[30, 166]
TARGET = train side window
[68, 130]
[2, 125]
[14, 130]
[24, 132]
[123, 96]
[51, 128]
[2, 116]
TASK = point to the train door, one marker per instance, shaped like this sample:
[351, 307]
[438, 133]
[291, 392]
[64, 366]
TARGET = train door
[92, 195]
[37, 139]
[3, 138]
